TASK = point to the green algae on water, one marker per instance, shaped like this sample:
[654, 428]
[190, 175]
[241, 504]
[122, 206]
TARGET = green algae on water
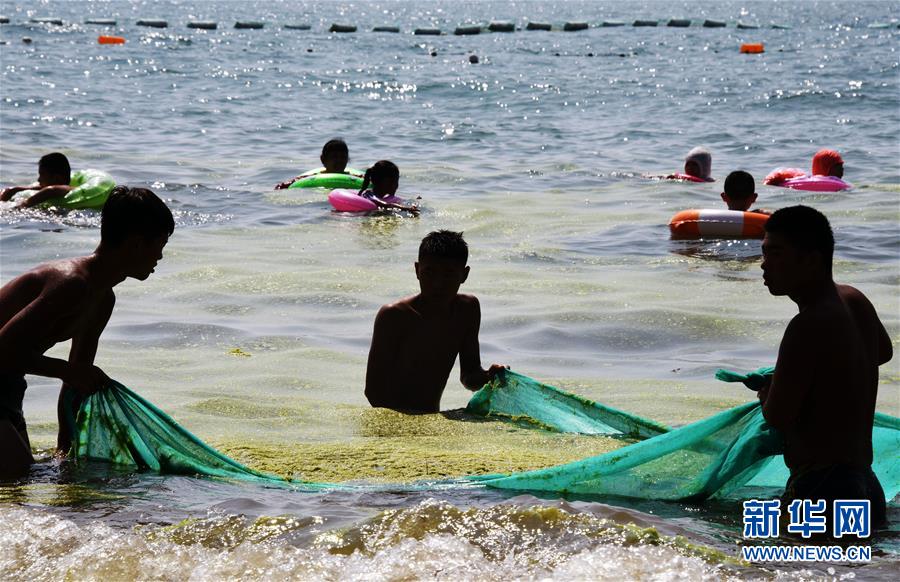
[420, 447]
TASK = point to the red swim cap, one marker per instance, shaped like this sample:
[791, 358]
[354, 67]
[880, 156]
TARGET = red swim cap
[824, 160]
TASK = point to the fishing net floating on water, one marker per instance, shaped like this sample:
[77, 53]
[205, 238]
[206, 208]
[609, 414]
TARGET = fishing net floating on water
[731, 454]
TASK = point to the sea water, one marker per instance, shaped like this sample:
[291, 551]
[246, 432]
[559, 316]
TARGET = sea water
[253, 331]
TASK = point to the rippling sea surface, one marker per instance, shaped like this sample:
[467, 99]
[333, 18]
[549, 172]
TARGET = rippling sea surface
[254, 330]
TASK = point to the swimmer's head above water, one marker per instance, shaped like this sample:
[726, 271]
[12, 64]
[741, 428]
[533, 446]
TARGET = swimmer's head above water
[698, 164]
[828, 163]
[335, 156]
[383, 177]
[54, 170]
[740, 191]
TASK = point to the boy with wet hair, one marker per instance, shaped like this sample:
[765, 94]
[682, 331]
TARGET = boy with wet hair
[71, 299]
[417, 339]
[54, 177]
[740, 192]
[822, 395]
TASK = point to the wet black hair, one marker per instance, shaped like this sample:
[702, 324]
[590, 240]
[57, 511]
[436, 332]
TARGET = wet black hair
[131, 211]
[804, 227]
[335, 145]
[739, 185]
[379, 171]
[444, 244]
[55, 164]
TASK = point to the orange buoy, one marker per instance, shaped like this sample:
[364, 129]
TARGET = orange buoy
[753, 48]
[103, 39]
[703, 223]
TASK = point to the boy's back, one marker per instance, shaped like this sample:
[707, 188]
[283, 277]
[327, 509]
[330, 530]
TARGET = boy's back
[416, 340]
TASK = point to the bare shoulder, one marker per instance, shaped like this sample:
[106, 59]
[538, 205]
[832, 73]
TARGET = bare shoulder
[467, 301]
[807, 323]
[468, 306]
[852, 296]
[397, 310]
[67, 276]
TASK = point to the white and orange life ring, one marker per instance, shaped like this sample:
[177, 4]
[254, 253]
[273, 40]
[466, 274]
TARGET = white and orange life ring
[708, 223]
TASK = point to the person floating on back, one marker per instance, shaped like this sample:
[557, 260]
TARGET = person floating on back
[697, 167]
[54, 177]
[417, 339]
[740, 192]
[822, 395]
[384, 179]
[71, 299]
[826, 175]
[335, 157]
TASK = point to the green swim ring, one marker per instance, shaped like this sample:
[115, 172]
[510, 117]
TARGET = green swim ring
[353, 178]
[90, 189]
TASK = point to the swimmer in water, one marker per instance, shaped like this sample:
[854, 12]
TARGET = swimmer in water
[697, 167]
[825, 163]
[54, 177]
[384, 177]
[740, 192]
[335, 157]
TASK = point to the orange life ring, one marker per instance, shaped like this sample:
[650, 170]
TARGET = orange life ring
[707, 223]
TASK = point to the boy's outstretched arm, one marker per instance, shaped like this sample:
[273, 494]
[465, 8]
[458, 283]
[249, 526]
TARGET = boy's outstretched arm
[414, 209]
[471, 374]
[44, 194]
[385, 338]
[8, 193]
[83, 351]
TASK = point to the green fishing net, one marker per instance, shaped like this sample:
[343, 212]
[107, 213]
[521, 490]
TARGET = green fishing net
[731, 454]
[518, 397]
[118, 426]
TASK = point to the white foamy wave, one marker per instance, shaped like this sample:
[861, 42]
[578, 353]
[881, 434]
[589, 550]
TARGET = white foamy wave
[37, 545]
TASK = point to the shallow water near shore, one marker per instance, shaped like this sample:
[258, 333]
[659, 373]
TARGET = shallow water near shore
[253, 331]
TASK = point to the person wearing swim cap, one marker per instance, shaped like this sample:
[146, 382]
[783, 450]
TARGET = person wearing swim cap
[54, 177]
[697, 167]
[828, 163]
[825, 163]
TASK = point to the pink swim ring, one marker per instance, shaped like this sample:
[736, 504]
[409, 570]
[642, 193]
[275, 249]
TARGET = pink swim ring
[797, 179]
[344, 200]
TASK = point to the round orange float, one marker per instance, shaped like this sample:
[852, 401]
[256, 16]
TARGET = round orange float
[704, 223]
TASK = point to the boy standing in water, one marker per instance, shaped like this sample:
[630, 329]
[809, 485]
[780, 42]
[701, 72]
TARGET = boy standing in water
[822, 395]
[416, 340]
[740, 192]
[71, 299]
[54, 176]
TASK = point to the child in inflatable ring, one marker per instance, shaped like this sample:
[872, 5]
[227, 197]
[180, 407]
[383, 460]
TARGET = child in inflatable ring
[335, 156]
[54, 176]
